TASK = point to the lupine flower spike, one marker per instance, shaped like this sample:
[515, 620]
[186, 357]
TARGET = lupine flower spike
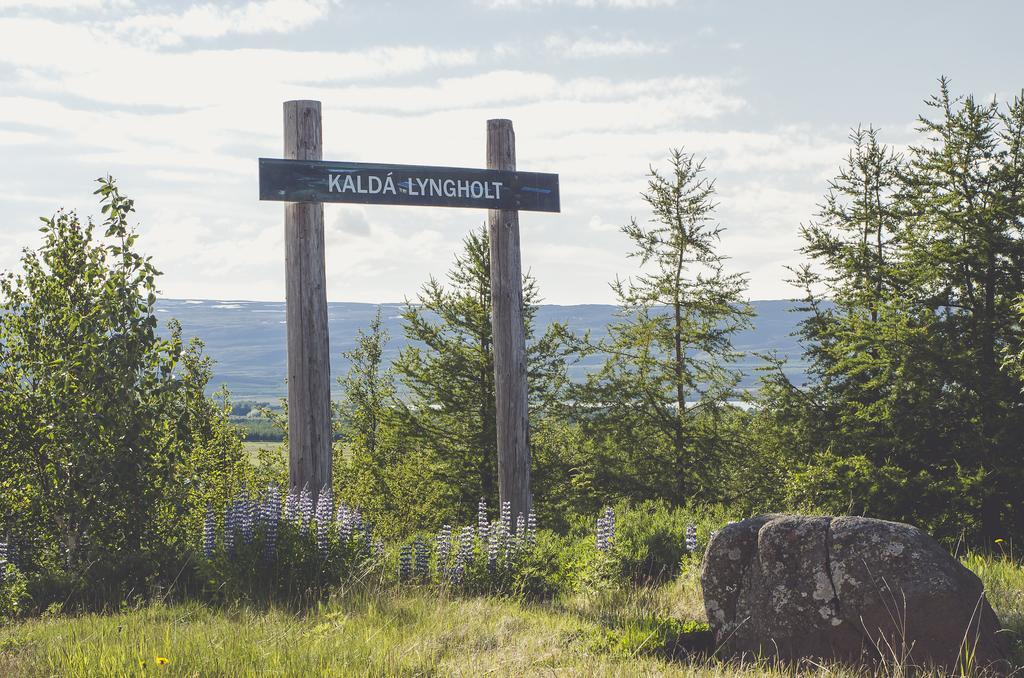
[483, 527]
[405, 563]
[422, 557]
[244, 512]
[305, 508]
[609, 523]
[691, 538]
[229, 528]
[443, 545]
[271, 517]
[466, 544]
[291, 506]
[209, 534]
[324, 508]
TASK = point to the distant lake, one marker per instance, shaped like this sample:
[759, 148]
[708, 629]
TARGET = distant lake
[246, 339]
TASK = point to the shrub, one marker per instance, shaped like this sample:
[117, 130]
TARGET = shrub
[285, 548]
[108, 438]
[13, 590]
[645, 543]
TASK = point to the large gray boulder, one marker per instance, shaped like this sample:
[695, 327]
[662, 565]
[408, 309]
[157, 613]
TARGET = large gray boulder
[845, 588]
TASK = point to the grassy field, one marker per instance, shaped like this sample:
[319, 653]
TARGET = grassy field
[368, 630]
[252, 448]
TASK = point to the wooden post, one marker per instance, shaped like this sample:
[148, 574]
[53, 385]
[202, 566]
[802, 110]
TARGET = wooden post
[309, 379]
[509, 334]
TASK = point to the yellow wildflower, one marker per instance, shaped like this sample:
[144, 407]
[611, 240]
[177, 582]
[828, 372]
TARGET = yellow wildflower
[160, 661]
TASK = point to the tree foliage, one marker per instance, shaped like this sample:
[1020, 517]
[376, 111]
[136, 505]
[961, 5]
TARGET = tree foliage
[109, 440]
[448, 373]
[659, 398]
[913, 268]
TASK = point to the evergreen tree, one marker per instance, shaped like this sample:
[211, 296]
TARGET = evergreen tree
[658, 399]
[917, 265]
[448, 371]
[965, 194]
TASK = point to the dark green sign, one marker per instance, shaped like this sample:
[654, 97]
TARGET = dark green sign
[374, 184]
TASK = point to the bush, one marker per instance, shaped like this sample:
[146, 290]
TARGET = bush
[109, 441]
[13, 591]
[650, 539]
[259, 548]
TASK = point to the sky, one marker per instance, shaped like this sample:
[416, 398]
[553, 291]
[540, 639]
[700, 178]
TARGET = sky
[177, 100]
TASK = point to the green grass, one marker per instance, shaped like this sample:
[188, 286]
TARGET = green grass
[373, 630]
[251, 448]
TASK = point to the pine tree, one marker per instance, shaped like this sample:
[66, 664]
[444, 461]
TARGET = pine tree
[909, 328]
[965, 194]
[668, 374]
[448, 372]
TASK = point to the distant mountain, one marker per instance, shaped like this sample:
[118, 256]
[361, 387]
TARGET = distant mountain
[247, 338]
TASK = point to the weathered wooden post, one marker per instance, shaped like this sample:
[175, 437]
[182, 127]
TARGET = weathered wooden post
[303, 181]
[508, 332]
[309, 379]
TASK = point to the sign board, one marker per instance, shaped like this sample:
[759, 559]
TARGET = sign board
[375, 184]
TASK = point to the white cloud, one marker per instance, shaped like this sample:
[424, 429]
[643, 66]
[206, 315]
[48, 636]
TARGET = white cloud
[181, 129]
[215, 20]
[74, 5]
[622, 4]
[588, 48]
[15, 138]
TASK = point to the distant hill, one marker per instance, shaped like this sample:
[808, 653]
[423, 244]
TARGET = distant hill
[247, 338]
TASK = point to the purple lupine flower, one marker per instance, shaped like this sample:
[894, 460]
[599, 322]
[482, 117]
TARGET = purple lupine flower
[531, 528]
[244, 510]
[345, 525]
[378, 549]
[3, 560]
[324, 508]
[520, 530]
[444, 547]
[466, 544]
[492, 548]
[458, 572]
[405, 563]
[229, 528]
[271, 517]
[209, 532]
[305, 508]
[506, 516]
[291, 505]
[422, 557]
[341, 516]
[691, 538]
[606, 529]
[483, 527]
[602, 534]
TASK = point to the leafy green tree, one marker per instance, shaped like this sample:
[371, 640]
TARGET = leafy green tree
[108, 438]
[658, 399]
[367, 422]
[448, 372]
